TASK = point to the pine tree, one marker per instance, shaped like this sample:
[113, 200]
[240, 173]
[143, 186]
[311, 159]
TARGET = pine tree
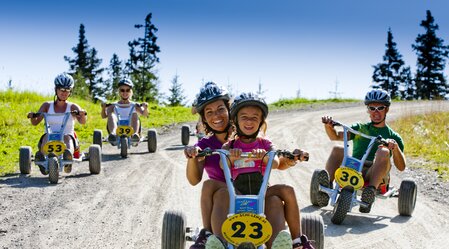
[176, 97]
[87, 65]
[432, 54]
[115, 72]
[142, 61]
[391, 74]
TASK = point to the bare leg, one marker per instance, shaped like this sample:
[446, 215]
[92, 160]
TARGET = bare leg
[291, 209]
[135, 123]
[334, 161]
[112, 123]
[381, 166]
[220, 209]
[274, 210]
[207, 195]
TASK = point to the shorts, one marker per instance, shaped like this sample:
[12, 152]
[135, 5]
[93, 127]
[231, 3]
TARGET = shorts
[248, 183]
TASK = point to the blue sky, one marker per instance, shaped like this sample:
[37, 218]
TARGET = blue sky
[285, 45]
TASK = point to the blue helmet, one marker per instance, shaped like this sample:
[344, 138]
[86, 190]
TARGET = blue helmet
[126, 82]
[210, 92]
[64, 80]
[378, 96]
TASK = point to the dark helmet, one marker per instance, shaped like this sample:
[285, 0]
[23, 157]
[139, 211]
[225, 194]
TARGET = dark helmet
[210, 92]
[248, 99]
[64, 80]
[378, 96]
[126, 82]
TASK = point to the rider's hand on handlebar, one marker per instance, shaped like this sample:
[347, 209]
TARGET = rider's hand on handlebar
[191, 151]
[327, 120]
[392, 144]
[301, 155]
[30, 115]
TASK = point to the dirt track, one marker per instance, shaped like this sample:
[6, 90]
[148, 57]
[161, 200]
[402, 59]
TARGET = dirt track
[123, 206]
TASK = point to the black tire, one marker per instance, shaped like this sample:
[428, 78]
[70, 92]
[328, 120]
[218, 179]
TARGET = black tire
[124, 146]
[152, 140]
[174, 230]
[407, 197]
[25, 159]
[342, 206]
[185, 134]
[95, 159]
[98, 137]
[312, 225]
[318, 198]
[53, 169]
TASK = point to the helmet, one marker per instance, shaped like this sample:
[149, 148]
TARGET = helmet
[248, 99]
[64, 80]
[378, 96]
[208, 93]
[126, 82]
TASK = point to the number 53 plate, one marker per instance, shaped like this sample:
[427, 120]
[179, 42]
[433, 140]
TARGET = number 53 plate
[247, 227]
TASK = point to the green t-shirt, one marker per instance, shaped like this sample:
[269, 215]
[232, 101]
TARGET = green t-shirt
[360, 143]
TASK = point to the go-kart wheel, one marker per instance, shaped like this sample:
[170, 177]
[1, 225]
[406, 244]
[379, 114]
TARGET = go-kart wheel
[173, 230]
[318, 198]
[95, 159]
[25, 159]
[98, 137]
[185, 134]
[53, 169]
[152, 140]
[407, 197]
[123, 146]
[312, 225]
[342, 206]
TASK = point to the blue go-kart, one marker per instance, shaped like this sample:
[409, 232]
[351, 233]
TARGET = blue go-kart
[344, 195]
[53, 162]
[124, 131]
[246, 225]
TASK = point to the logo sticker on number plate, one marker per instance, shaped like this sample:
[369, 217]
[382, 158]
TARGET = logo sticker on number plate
[247, 227]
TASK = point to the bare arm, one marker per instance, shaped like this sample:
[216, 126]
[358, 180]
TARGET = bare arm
[38, 119]
[143, 109]
[81, 117]
[195, 165]
[330, 129]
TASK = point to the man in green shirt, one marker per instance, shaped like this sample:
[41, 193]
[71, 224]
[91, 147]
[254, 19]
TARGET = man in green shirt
[377, 165]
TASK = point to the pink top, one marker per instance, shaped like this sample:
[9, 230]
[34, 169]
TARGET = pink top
[212, 163]
[245, 165]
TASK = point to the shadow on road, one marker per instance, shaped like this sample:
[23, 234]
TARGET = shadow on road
[18, 180]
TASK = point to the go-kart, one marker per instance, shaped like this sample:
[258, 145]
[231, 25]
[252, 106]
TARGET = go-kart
[350, 183]
[186, 132]
[124, 131]
[246, 225]
[53, 150]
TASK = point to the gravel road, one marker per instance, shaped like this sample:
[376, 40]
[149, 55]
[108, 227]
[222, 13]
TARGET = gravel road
[123, 206]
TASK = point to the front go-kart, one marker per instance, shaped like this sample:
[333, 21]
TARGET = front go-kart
[344, 195]
[246, 224]
[124, 132]
[53, 162]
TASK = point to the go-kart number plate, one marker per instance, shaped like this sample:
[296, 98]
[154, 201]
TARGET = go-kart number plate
[246, 227]
[349, 177]
[55, 147]
[124, 130]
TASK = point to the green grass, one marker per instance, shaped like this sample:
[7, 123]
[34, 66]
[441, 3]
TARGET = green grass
[16, 130]
[298, 103]
[427, 137]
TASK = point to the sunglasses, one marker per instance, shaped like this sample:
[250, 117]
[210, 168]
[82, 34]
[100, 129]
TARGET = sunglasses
[64, 90]
[125, 90]
[376, 108]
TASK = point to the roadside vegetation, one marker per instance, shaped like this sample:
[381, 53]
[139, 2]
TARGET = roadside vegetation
[426, 137]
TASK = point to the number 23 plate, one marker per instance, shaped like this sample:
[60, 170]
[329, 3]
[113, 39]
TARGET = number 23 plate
[247, 227]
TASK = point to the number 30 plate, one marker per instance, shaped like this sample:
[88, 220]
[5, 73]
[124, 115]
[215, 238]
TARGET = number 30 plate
[247, 227]
[349, 177]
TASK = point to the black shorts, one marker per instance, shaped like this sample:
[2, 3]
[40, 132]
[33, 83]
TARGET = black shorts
[248, 183]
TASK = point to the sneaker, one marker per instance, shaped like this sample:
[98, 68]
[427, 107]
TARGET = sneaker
[112, 139]
[323, 179]
[200, 242]
[368, 196]
[135, 139]
[302, 243]
[282, 241]
[214, 242]
[67, 156]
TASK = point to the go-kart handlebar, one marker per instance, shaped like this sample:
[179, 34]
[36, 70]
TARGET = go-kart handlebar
[285, 153]
[37, 114]
[379, 138]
